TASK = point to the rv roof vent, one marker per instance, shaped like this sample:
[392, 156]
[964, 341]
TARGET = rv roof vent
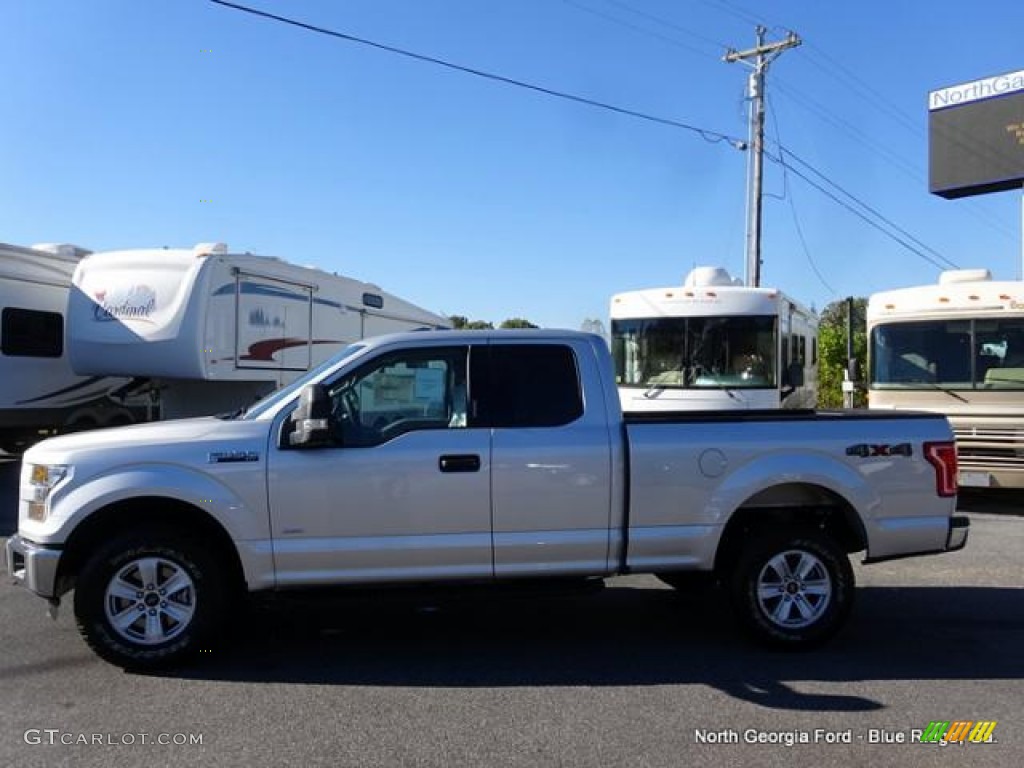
[210, 249]
[706, 276]
[65, 250]
[964, 276]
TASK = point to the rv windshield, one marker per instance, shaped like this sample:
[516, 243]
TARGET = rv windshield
[269, 402]
[695, 352]
[954, 354]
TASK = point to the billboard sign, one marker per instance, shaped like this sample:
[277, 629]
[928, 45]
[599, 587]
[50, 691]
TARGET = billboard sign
[976, 136]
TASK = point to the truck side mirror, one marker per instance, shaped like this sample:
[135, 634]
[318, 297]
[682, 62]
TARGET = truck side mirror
[311, 422]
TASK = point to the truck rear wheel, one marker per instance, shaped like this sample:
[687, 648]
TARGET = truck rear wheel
[149, 598]
[793, 589]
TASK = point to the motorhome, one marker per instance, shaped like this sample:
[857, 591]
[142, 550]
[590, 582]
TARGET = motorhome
[40, 394]
[204, 330]
[956, 347]
[713, 343]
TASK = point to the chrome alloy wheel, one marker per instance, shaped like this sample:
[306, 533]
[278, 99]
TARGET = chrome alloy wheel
[150, 600]
[794, 589]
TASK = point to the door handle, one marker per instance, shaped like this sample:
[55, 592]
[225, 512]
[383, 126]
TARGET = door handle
[461, 462]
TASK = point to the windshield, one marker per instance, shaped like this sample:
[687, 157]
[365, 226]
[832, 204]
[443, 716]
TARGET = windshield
[271, 400]
[695, 352]
[948, 354]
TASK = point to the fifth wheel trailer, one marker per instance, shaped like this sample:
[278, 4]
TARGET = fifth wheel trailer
[40, 394]
[204, 331]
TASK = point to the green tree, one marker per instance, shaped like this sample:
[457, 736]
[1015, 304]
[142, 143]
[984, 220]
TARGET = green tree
[462, 323]
[832, 352]
[458, 321]
[517, 322]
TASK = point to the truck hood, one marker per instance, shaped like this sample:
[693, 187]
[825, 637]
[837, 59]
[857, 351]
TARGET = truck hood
[135, 442]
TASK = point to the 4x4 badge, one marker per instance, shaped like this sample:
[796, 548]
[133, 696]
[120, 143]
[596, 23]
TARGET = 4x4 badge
[864, 450]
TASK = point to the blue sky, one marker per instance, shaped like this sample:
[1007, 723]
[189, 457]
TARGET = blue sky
[144, 123]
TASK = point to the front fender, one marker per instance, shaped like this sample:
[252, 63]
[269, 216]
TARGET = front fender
[244, 519]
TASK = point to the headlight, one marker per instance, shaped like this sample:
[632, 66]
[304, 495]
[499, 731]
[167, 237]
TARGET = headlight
[42, 479]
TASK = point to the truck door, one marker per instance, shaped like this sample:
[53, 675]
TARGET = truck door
[405, 493]
[550, 463]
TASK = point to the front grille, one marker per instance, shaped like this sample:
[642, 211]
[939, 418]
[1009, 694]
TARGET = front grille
[990, 447]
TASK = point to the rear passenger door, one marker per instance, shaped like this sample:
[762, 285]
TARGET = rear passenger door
[550, 461]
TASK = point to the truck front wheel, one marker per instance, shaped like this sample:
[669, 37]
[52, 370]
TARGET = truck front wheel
[793, 589]
[148, 599]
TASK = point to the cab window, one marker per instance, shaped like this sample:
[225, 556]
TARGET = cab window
[532, 385]
[404, 392]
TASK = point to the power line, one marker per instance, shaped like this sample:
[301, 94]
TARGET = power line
[880, 103]
[803, 243]
[734, 11]
[824, 114]
[863, 216]
[871, 95]
[868, 92]
[708, 135]
[865, 205]
[860, 214]
[665, 22]
[616, 20]
[787, 195]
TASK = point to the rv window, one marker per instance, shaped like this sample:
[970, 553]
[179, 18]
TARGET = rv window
[373, 300]
[31, 333]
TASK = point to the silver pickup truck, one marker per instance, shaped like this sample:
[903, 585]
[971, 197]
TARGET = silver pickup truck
[465, 457]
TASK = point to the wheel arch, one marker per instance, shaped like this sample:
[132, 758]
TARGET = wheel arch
[145, 511]
[792, 504]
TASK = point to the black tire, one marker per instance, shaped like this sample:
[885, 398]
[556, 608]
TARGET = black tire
[793, 589]
[688, 581]
[177, 614]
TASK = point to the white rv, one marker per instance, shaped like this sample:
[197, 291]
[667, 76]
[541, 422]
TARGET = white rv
[713, 344]
[956, 347]
[40, 394]
[206, 331]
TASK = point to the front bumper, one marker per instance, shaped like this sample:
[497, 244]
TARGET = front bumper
[32, 566]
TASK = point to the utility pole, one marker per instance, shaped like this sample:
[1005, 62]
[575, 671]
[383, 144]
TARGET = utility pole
[762, 55]
[852, 370]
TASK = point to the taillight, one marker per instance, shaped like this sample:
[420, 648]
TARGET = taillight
[942, 456]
